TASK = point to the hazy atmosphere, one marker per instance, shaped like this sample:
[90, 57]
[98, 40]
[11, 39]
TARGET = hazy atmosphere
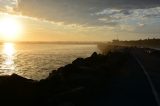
[79, 20]
[80, 52]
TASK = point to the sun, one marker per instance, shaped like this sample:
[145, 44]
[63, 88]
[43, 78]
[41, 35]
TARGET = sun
[10, 28]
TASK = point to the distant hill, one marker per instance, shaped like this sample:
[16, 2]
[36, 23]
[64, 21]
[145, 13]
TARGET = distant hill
[142, 43]
[146, 43]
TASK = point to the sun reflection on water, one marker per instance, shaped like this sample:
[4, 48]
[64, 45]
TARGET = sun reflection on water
[8, 52]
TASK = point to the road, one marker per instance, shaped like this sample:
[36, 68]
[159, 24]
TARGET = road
[150, 64]
[133, 87]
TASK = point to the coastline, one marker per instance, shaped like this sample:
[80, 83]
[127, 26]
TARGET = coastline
[86, 81]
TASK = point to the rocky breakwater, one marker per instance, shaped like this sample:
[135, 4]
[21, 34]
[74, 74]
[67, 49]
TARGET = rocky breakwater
[83, 82]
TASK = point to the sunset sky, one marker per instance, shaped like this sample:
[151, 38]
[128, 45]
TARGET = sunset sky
[81, 20]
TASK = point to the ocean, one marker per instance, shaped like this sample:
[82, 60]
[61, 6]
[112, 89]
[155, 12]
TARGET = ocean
[36, 60]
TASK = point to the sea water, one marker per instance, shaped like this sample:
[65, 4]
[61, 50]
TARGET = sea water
[37, 60]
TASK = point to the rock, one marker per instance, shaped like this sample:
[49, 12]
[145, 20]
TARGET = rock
[94, 55]
[93, 73]
[78, 61]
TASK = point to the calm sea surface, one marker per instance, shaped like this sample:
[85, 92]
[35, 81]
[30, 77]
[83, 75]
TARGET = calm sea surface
[36, 61]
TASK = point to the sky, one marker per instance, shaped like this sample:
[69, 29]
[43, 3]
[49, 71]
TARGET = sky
[84, 20]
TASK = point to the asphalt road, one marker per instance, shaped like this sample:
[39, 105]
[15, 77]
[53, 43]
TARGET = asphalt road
[138, 85]
[150, 64]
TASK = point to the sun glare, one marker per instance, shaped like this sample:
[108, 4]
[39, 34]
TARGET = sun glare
[10, 28]
[8, 52]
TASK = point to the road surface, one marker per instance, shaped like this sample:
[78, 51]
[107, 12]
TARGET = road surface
[133, 87]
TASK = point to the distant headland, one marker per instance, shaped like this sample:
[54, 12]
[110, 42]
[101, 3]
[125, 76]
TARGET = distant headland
[145, 43]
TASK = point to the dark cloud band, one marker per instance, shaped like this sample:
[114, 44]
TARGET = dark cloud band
[81, 11]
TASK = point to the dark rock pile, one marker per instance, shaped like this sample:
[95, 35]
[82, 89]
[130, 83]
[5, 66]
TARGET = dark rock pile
[76, 84]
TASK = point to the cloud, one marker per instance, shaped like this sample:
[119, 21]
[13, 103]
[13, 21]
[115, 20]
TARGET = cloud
[8, 5]
[89, 12]
[133, 16]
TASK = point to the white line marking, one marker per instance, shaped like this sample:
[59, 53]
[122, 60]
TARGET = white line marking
[149, 80]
